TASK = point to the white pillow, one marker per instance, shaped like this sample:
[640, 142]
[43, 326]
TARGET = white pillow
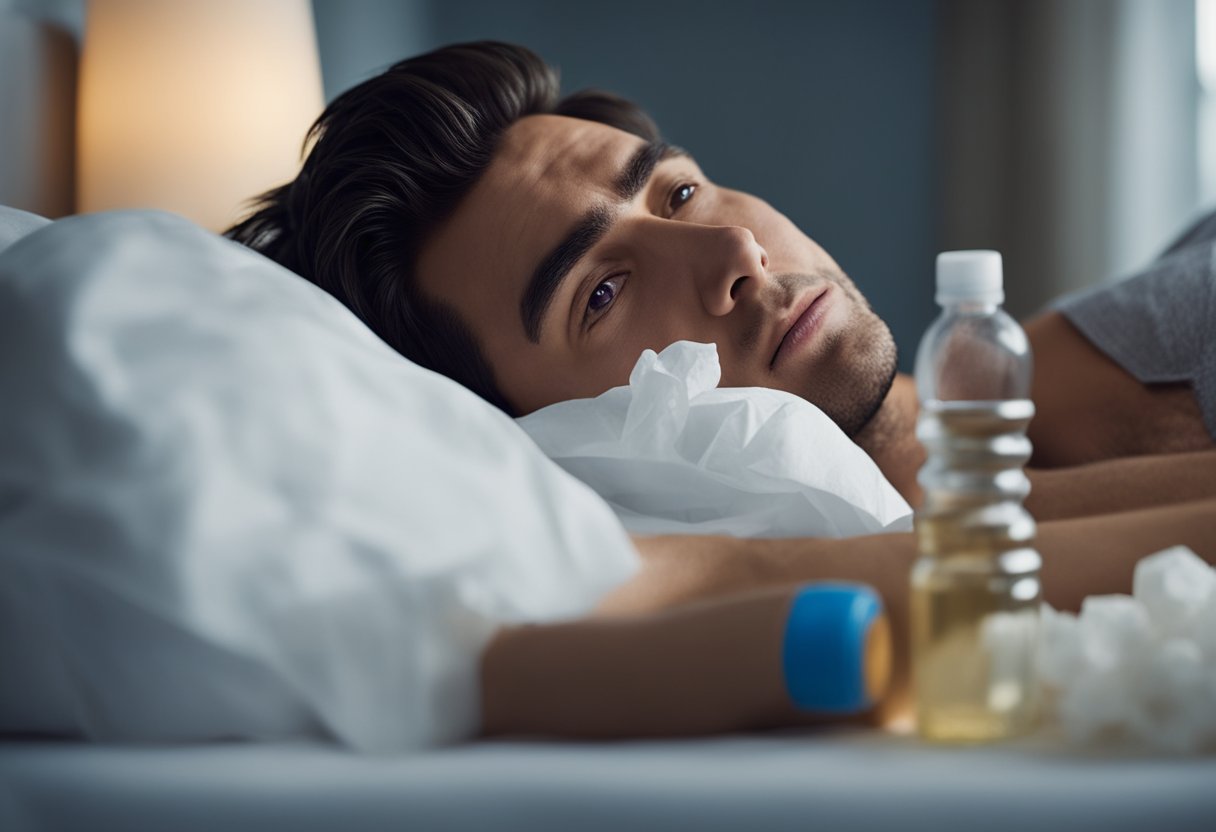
[228, 510]
[673, 453]
[15, 224]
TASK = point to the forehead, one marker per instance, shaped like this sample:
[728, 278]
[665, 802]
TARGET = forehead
[547, 150]
[546, 173]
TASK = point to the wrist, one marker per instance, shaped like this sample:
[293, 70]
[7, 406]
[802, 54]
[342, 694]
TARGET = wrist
[836, 653]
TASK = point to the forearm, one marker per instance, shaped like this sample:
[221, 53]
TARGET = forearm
[702, 668]
[1124, 484]
[692, 644]
[1083, 556]
[1098, 555]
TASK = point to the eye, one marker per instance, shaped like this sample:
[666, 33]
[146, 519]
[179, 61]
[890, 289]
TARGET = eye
[603, 295]
[681, 195]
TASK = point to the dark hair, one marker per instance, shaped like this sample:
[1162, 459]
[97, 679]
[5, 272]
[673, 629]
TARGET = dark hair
[389, 160]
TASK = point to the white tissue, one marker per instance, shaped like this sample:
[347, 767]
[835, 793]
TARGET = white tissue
[672, 453]
[1139, 667]
[1174, 589]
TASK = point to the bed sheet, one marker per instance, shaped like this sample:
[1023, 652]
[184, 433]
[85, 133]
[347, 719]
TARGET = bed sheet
[837, 780]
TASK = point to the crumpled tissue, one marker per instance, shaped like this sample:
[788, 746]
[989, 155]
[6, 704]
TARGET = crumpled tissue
[674, 454]
[1138, 667]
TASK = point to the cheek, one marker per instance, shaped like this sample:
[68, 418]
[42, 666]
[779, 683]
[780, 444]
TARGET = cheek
[560, 378]
[788, 248]
[655, 316]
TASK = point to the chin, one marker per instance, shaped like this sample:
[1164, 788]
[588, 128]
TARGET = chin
[853, 381]
[876, 404]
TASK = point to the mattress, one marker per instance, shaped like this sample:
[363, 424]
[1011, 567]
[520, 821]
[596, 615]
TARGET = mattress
[833, 780]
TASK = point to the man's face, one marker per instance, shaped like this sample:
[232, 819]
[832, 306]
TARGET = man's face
[581, 246]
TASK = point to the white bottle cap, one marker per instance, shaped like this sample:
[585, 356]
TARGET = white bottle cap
[969, 276]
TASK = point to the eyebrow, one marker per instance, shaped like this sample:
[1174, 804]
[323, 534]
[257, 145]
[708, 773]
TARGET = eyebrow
[556, 266]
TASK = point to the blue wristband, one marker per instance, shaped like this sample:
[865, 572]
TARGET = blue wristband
[825, 643]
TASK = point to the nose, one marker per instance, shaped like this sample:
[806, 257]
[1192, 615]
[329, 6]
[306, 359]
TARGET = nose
[732, 264]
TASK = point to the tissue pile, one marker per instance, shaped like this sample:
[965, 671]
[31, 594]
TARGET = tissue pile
[673, 453]
[1140, 667]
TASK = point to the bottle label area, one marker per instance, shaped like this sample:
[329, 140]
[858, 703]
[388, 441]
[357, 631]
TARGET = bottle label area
[974, 635]
[975, 590]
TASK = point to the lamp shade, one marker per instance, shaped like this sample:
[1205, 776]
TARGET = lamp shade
[193, 106]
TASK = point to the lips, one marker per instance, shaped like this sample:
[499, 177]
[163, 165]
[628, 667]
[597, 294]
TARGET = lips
[803, 322]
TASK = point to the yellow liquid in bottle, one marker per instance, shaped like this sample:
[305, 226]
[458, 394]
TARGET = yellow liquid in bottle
[975, 589]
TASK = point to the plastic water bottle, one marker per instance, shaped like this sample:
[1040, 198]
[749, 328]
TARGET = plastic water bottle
[975, 587]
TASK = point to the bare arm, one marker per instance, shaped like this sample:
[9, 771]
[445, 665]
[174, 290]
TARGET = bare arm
[1123, 484]
[692, 644]
[707, 667]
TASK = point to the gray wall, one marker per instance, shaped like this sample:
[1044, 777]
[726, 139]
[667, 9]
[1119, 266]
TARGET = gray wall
[825, 109]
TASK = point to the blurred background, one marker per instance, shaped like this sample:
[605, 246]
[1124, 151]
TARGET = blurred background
[1075, 136]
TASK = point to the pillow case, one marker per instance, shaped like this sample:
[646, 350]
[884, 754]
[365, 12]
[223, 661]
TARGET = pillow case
[228, 510]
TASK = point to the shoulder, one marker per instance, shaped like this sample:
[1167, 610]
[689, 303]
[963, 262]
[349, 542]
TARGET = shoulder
[1201, 231]
[1090, 408]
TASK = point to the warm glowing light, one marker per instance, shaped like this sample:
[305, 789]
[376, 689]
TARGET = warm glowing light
[193, 105]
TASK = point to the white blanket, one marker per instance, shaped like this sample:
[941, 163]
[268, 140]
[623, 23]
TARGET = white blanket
[228, 510]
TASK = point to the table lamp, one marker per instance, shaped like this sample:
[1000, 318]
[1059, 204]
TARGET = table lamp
[193, 106]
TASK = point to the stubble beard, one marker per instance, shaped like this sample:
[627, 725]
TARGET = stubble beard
[858, 364]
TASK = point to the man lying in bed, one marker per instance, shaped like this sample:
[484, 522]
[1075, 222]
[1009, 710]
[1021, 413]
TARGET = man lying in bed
[531, 248]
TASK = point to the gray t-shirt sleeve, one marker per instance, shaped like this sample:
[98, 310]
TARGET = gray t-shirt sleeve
[1160, 324]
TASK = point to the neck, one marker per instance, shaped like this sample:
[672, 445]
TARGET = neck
[890, 439]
